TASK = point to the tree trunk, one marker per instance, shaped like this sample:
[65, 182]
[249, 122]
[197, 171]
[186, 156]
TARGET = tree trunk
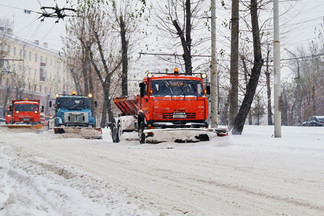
[85, 71]
[104, 109]
[76, 81]
[6, 100]
[124, 56]
[246, 74]
[255, 74]
[234, 62]
[267, 73]
[284, 109]
[188, 63]
[186, 39]
[91, 89]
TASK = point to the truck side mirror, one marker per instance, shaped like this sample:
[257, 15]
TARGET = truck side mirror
[42, 109]
[50, 104]
[208, 90]
[10, 108]
[142, 89]
[95, 104]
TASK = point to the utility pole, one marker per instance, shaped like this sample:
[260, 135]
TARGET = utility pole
[276, 60]
[213, 70]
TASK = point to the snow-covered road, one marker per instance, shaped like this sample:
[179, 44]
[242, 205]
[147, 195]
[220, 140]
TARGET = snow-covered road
[251, 174]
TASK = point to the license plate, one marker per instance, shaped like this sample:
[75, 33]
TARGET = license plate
[179, 115]
[26, 119]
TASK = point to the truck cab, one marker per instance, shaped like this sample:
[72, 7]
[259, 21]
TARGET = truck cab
[173, 101]
[25, 111]
[73, 110]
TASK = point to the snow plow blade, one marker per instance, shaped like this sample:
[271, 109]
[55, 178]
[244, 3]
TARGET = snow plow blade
[23, 127]
[88, 133]
[182, 134]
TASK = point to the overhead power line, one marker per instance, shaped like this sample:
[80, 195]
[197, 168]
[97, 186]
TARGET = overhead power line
[208, 56]
[303, 57]
[177, 55]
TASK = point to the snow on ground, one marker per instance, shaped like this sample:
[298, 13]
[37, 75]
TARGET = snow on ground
[251, 174]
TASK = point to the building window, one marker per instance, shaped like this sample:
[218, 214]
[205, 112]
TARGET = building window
[34, 87]
[14, 51]
[41, 59]
[24, 54]
[30, 55]
[50, 62]
[8, 49]
[20, 53]
[40, 88]
[35, 57]
[46, 60]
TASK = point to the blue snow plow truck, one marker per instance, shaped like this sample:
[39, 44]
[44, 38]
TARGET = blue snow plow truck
[73, 115]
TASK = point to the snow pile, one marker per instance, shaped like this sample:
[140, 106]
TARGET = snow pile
[251, 174]
[33, 185]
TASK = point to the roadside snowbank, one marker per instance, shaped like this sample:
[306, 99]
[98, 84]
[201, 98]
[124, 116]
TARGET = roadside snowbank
[251, 174]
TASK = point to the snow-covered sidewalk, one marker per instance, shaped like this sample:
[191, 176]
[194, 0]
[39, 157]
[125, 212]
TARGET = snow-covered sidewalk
[251, 174]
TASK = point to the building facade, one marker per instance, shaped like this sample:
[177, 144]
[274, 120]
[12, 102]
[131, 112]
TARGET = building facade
[30, 70]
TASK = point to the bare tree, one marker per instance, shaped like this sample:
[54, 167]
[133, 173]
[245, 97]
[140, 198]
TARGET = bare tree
[255, 73]
[268, 73]
[180, 18]
[105, 67]
[5, 70]
[127, 15]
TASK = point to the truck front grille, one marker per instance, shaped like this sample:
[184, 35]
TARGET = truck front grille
[75, 117]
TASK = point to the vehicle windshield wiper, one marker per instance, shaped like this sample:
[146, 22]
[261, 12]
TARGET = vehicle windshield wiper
[194, 87]
[167, 85]
[184, 95]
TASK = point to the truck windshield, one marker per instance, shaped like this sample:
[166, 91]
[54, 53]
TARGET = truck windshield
[73, 103]
[26, 107]
[176, 88]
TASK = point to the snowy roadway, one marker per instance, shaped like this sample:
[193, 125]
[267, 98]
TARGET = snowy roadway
[251, 174]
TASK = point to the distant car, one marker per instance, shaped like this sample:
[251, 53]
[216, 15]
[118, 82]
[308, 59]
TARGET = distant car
[314, 121]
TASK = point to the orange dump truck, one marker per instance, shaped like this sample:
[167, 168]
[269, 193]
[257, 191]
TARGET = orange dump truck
[172, 106]
[24, 114]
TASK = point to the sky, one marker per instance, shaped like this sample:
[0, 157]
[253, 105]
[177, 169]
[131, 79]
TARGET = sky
[303, 19]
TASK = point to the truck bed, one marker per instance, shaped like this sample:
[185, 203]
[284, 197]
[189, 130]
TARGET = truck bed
[128, 106]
